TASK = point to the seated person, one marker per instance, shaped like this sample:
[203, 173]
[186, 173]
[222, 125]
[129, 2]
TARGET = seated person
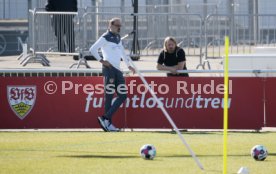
[172, 58]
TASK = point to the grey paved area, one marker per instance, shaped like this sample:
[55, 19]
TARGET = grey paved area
[63, 63]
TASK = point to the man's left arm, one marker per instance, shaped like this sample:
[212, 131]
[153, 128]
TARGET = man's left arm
[181, 60]
[181, 65]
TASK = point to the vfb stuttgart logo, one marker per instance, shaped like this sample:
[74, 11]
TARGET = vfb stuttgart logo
[21, 99]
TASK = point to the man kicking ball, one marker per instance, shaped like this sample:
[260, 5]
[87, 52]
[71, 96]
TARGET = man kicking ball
[112, 50]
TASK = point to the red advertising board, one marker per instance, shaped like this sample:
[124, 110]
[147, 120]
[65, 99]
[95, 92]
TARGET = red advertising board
[203, 110]
[75, 102]
[270, 102]
[57, 110]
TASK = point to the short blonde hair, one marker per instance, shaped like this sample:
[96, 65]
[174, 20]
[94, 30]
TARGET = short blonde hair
[112, 21]
[167, 39]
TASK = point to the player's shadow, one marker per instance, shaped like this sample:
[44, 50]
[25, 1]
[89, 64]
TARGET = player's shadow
[110, 156]
[100, 156]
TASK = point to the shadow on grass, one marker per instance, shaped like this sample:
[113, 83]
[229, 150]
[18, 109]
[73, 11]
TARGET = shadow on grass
[115, 156]
[89, 154]
[110, 156]
[271, 154]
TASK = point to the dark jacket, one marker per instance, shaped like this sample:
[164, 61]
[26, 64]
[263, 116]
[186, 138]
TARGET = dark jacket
[62, 5]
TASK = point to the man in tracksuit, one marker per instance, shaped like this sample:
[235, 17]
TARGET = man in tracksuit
[112, 49]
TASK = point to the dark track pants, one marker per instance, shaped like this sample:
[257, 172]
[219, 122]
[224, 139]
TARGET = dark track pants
[113, 77]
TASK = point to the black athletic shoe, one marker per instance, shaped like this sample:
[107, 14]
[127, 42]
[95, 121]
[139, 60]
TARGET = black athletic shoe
[102, 124]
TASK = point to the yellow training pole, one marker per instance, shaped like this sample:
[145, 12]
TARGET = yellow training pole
[225, 109]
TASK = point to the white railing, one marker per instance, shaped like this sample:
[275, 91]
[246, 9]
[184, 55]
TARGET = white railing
[235, 71]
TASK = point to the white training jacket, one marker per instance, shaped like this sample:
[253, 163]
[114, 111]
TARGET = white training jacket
[112, 49]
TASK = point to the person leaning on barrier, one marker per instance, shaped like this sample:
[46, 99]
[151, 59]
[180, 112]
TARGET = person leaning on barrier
[63, 24]
[112, 49]
[172, 58]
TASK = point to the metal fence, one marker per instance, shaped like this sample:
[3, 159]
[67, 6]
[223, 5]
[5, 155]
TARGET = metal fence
[70, 33]
[55, 33]
[244, 30]
[152, 30]
[200, 37]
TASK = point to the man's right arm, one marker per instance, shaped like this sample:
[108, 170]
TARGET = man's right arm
[94, 49]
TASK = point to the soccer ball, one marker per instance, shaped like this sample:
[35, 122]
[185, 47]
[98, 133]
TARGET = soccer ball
[259, 153]
[148, 151]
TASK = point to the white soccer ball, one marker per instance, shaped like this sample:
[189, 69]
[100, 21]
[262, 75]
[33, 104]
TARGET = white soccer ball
[259, 153]
[148, 152]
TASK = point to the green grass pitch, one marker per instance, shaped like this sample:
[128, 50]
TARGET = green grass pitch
[113, 153]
